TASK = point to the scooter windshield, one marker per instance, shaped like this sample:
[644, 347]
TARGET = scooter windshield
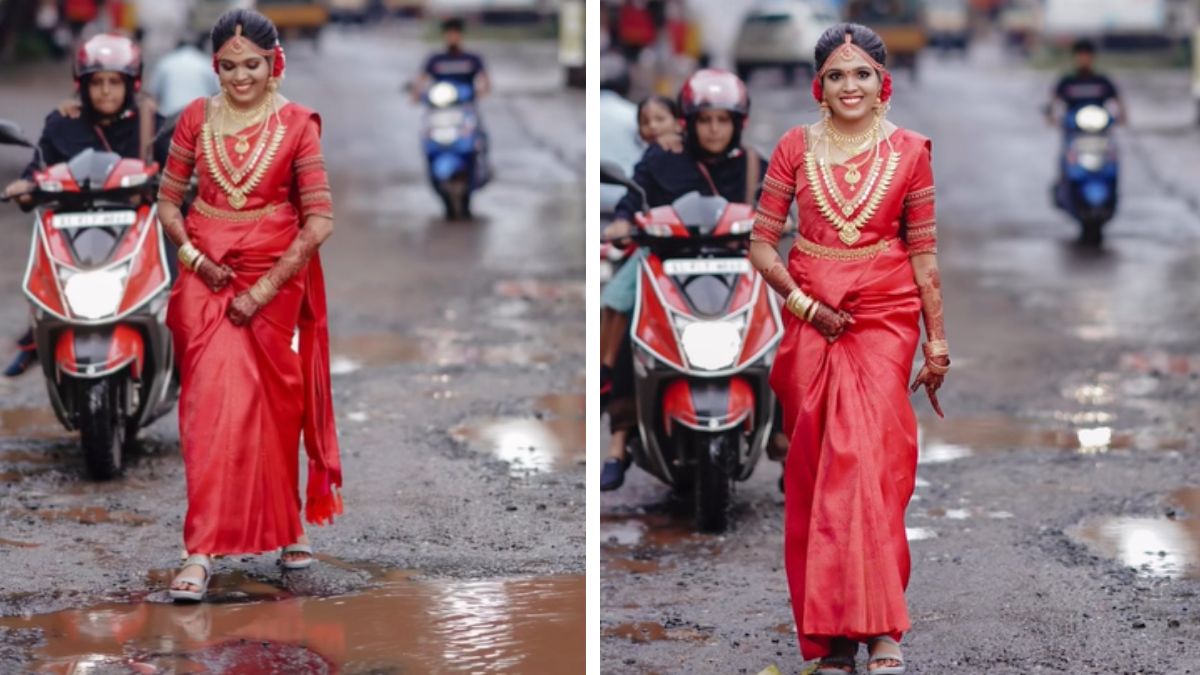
[90, 169]
[699, 212]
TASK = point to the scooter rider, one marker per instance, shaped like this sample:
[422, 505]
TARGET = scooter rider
[108, 75]
[712, 161]
[1085, 86]
[454, 64]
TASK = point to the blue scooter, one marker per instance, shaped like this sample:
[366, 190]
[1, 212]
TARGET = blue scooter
[1089, 165]
[456, 146]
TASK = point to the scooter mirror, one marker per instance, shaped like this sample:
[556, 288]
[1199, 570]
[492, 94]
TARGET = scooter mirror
[612, 173]
[10, 134]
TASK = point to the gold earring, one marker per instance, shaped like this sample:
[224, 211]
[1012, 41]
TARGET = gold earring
[826, 113]
[273, 85]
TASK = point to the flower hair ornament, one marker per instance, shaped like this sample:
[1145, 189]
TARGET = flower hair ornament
[239, 44]
[847, 52]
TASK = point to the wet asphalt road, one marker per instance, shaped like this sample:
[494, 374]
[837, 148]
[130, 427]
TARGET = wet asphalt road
[1056, 525]
[458, 382]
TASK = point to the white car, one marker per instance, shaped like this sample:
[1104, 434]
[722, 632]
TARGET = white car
[781, 34]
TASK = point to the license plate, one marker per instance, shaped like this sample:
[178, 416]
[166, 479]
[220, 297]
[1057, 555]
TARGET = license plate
[684, 268]
[64, 221]
[445, 118]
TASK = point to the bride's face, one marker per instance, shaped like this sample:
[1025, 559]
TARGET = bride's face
[851, 87]
[244, 77]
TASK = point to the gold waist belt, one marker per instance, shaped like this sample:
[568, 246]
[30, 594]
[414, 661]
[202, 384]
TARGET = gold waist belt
[206, 209]
[828, 253]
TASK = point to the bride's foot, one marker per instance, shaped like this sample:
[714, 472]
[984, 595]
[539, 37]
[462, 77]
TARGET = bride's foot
[192, 581]
[885, 656]
[841, 659]
[298, 555]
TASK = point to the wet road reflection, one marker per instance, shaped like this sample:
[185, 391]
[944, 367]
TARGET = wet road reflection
[949, 440]
[402, 624]
[1162, 547]
[532, 445]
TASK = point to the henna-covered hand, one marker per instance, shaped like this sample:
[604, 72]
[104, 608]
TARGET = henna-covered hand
[215, 276]
[242, 309]
[831, 322]
[932, 382]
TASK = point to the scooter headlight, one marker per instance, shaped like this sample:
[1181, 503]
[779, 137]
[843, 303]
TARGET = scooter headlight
[711, 345]
[97, 294]
[1092, 119]
[443, 94]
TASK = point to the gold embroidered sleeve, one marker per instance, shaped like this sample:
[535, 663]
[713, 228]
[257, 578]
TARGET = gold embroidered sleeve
[779, 188]
[920, 209]
[312, 182]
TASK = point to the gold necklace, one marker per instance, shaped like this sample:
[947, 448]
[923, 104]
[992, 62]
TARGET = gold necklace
[843, 141]
[845, 204]
[242, 146]
[849, 230]
[246, 117]
[237, 193]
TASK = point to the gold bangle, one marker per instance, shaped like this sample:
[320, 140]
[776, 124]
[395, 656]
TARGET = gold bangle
[796, 302]
[937, 348]
[197, 261]
[187, 254]
[937, 369]
[262, 291]
[811, 313]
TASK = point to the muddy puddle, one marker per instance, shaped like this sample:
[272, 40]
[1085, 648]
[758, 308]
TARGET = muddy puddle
[446, 349]
[651, 543]
[650, 631]
[83, 515]
[1166, 546]
[402, 624]
[553, 440]
[948, 440]
[32, 423]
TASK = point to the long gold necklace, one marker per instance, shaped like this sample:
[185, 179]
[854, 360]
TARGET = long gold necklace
[242, 146]
[847, 205]
[235, 189]
[849, 229]
[233, 117]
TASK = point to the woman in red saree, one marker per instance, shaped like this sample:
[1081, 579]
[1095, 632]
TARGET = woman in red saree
[248, 312]
[861, 274]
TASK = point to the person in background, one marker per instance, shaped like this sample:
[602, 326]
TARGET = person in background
[454, 64]
[183, 76]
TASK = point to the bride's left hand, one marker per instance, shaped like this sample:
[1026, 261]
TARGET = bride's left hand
[242, 309]
[932, 382]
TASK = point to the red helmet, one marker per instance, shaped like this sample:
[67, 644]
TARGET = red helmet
[712, 89]
[109, 51]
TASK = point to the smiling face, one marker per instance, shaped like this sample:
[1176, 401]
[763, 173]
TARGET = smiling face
[851, 88]
[106, 90]
[244, 77]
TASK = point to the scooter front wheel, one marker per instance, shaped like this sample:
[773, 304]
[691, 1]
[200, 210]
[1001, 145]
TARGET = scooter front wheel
[712, 489]
[101, 429]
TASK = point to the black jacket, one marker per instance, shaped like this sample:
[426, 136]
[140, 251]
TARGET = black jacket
[64, 137]
[667, 176]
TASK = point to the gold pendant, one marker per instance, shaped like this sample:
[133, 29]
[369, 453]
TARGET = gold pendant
[853, 176]
[237, 200]
[242, 146]
[847, 210]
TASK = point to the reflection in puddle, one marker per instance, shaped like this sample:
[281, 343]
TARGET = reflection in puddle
[920, 533]
[30, 423]
[651, 543]
[536, 289]
[439, 348]
[1160, 547]
[18, 544]
[947, 441]
[401, 625]
[533, 445]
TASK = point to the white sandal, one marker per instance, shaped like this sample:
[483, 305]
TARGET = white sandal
[297, 564]
[889, 653]
[203, 562]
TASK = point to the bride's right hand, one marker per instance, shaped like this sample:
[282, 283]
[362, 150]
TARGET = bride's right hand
[831, 322]
[215, 276]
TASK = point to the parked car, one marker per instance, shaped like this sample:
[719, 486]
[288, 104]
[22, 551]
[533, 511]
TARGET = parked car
[948, 24]
[781, 34]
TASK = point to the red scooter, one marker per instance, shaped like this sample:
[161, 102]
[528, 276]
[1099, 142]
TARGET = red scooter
[98, 280]
[705, 328]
